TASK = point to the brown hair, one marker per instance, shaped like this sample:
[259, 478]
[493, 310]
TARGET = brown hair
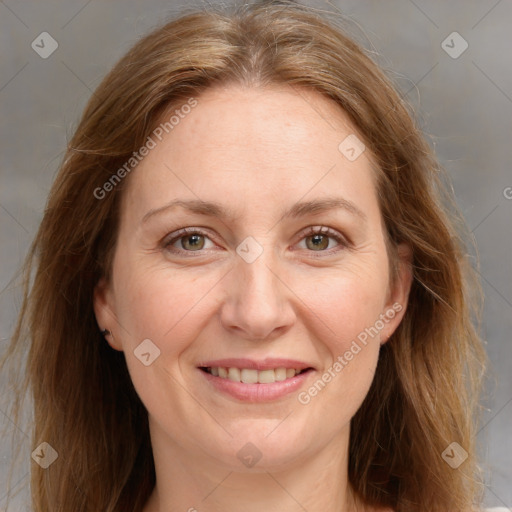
[426, 388]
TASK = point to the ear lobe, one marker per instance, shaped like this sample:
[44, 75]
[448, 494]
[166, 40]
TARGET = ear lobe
[399, 292]
[104, 311]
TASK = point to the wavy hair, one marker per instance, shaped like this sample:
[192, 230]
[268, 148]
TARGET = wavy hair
[427, 384]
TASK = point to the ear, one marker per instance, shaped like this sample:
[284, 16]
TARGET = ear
[398, 293]
[104, 310]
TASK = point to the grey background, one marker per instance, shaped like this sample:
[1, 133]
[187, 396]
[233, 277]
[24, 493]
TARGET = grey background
[465, 106]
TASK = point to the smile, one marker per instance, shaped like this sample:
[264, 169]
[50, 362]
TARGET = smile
[252, 376]
[255, 381]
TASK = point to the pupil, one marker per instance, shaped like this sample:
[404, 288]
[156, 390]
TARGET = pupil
[193, 241]
[319, 241]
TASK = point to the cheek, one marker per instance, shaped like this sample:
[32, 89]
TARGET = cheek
[346, 312]
[346, 307]
[346, 301]
[163, 305]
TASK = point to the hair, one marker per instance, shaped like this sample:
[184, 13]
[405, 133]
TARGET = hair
[426, 389]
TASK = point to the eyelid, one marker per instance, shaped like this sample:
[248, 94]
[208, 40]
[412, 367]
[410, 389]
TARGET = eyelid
[343, 241]
[323, 230]
[168, 240]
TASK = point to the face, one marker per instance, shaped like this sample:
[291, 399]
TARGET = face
[284, 278]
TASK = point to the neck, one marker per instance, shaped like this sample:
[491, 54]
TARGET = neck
[191, 482]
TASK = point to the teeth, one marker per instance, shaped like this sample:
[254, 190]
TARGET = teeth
[280, 374]
[266, 376]
[234, 374]
[251, 376]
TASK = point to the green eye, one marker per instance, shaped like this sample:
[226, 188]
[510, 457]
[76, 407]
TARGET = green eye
[192, 242]
[317, 242]
[316, 239]
[188, 240]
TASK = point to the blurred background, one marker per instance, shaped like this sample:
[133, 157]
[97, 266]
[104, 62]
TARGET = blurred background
[450, 60]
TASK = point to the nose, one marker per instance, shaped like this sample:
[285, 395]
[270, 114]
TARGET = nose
[258, 303]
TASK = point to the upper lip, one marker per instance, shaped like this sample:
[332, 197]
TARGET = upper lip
[264, 364]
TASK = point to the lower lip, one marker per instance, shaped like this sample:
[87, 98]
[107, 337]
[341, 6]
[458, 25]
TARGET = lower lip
[257, 392]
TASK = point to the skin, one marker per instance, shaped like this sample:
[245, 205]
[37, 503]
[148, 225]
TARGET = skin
[257, 151]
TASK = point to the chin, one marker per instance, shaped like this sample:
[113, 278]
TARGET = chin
[263, 446]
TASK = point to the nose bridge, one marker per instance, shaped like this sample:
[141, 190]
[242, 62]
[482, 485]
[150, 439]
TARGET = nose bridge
[259, 281]
[256, 303]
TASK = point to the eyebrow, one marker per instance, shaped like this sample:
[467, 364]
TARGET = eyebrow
[300, 209]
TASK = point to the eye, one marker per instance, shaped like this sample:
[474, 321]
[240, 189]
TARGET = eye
[188, 240]
[318, 239]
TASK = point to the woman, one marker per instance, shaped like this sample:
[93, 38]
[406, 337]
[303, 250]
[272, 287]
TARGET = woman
[316, 351]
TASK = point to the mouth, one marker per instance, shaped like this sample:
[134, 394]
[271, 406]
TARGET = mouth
[253, 376]
[252, 381]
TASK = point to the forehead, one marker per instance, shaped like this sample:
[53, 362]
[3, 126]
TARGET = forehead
[254, 147]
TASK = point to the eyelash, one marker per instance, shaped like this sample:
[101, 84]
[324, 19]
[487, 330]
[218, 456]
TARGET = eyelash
[309, 231]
